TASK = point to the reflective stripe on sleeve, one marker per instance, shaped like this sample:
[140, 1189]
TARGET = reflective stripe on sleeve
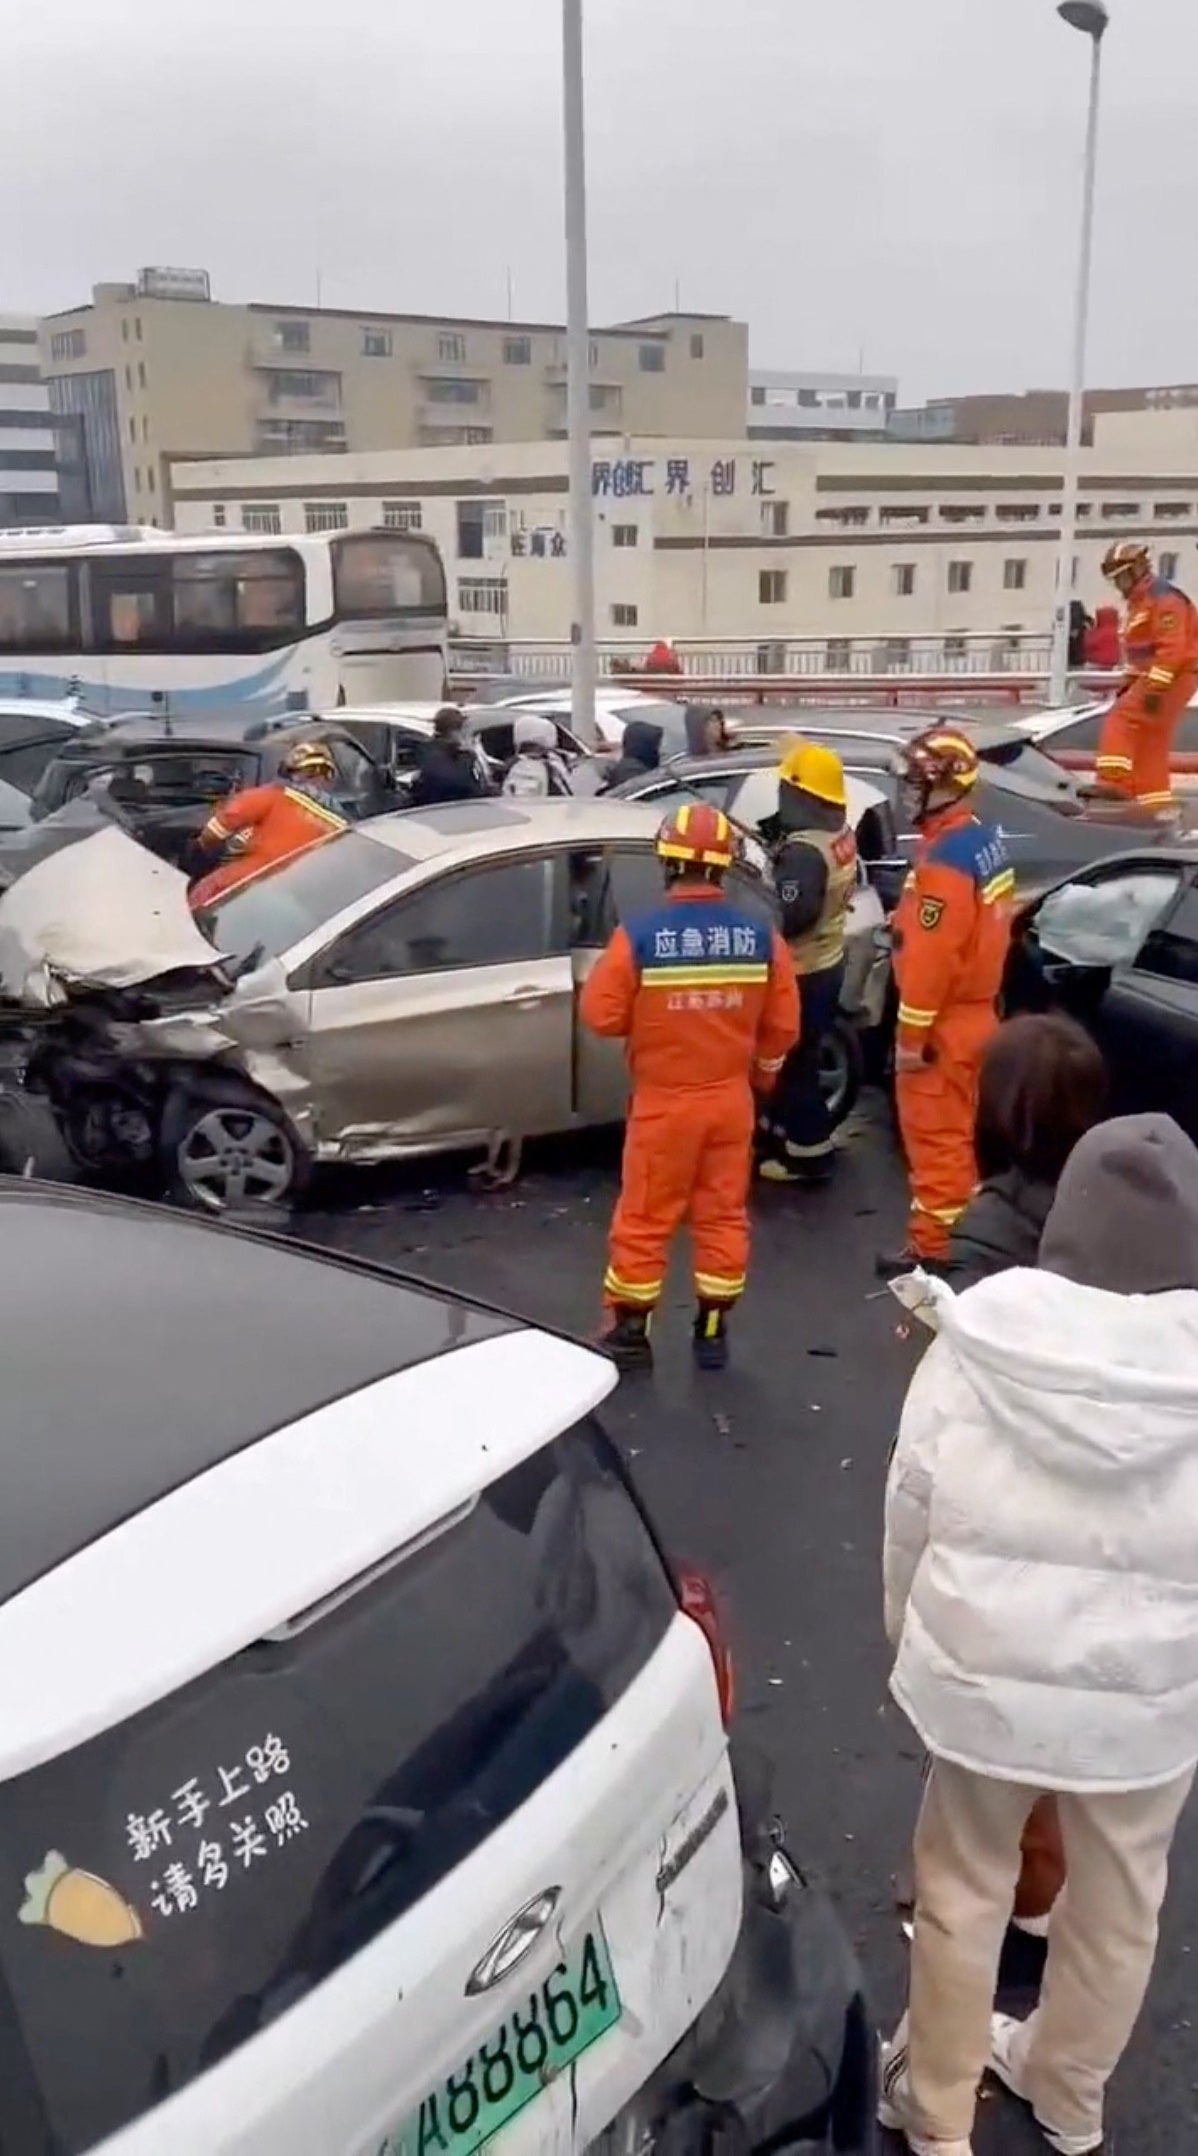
[909, 1016]
[643, 1292]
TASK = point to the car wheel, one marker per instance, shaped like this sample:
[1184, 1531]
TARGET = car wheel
[229, 1151]
[841, 1068]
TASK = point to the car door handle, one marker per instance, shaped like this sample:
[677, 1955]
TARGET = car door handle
[528, 995]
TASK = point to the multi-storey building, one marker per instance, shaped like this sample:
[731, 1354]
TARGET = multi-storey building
[28, 459]
[742, 539]
[158, 371]
[786, 407]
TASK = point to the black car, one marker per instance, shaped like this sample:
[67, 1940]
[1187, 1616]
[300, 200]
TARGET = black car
[162, 781]
[1116, 947]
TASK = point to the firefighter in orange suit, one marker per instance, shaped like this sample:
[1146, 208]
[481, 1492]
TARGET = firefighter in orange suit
[269, 824]
[704, 994]
[1160, 639]
[952, 931]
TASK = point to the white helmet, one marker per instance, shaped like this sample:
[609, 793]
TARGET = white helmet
[535, 733]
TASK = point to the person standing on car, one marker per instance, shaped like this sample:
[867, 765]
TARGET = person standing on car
[1041, 1590]
[704, 994]
[536, 772]
[814, 854]
[1160, 641]
[640, 753]
[952, 931]
[706, 731]
[447, 768]
[269, 824]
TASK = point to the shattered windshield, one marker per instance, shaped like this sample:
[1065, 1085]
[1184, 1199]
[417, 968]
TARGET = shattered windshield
[277, 910]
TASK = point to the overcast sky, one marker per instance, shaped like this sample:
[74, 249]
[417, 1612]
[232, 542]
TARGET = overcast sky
[893, 178]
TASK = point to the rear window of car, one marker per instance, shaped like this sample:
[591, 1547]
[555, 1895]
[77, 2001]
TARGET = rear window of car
[192, 778]
[192, 1873]
[1030, 771]
[276, 911]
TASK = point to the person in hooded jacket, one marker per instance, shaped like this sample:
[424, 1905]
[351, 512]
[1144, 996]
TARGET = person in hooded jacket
[446, 768]
[536, 772]
[1103, 644]
[1041, 1591]
[640, 753]
[706, 730]
[1043, 1084]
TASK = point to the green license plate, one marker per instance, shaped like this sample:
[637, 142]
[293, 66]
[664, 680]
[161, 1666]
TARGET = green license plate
[547, 2028]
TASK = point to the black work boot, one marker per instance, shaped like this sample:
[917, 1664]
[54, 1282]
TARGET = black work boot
[627, 1340]
[711, 1336]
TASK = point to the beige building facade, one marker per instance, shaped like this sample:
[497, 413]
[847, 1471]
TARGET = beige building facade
[158, 372]
[738, 539]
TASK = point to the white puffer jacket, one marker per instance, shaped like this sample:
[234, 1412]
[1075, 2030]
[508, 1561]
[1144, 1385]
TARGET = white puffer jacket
[1041, 1561]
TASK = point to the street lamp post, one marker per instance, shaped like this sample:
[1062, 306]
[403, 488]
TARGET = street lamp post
[1091, 17]
[578, 376]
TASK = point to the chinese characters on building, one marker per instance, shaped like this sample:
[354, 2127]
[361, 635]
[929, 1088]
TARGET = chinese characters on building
[624, 476]
[216, 1826]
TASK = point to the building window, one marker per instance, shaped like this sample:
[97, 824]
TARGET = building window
[137, 327]
[293, 336]
[848, 519]
[771, 587]
[623, 616]
[124, 329]
[141, 374]
[310, 385]
[151, 482]
[954, 647]
[402, 517]
[652, 358]
[838, 655]
[775, 519]
[1164, 510]
[842, 582]
[145, 426]
[757, 394]
[450, 389]
[1014, 576]
[959, 513]
[1121, 509]
[68, 344]
[220, 516]
[376, 344]
[902, 579]
[475, 435]
[137, 479]
[1084, 509]
[1168, 566]
[128, 377]
[482, 595]
[896, 652]
[624, 534]
[697, 346]
[517, 351]
[264, 517]
[960, 576]
[326, 517]
[451, 346]
[132, 428]
[1017, 512]
[904, 516]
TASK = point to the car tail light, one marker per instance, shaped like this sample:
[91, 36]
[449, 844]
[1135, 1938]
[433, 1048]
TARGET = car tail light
[696, 1600]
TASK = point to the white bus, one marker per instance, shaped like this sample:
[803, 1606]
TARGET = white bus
[133, 620]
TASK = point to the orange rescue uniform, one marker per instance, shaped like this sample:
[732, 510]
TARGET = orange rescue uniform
[274, 823]
[1161, 645]
[952, 932]
[706, 998]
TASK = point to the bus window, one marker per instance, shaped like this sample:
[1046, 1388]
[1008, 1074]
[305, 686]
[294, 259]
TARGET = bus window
[386, 573]
[128, 605]
[230, 601]
[35, 608]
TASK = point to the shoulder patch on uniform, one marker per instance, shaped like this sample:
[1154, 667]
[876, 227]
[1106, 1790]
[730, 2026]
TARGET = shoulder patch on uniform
[930, 912]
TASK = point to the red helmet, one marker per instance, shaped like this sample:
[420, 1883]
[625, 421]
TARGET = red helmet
[699, 835]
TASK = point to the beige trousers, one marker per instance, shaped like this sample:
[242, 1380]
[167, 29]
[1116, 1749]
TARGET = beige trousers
[1102, 1943]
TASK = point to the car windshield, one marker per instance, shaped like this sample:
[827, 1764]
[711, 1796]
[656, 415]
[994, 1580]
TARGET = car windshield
[1029, 771]
[224, 1851]
[1103, 924]
[277, 910]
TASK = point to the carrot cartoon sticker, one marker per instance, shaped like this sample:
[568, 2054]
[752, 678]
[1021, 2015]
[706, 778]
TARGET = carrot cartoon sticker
[78, 1905]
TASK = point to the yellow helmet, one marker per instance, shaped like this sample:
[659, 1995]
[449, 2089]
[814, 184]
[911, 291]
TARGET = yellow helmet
[814, 769]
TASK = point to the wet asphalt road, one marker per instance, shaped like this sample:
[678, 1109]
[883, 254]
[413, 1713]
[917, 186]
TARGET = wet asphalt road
[771, 1477]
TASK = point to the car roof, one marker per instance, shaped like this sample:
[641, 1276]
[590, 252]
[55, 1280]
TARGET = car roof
[140, 731]
[465, 829]
[141, 1347]
[64, 709]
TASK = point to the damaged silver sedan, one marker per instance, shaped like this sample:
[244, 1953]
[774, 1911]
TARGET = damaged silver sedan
[408, 988]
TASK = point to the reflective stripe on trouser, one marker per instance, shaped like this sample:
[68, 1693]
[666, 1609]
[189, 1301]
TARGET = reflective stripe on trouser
[1134, 752]
[687, 1157]
[937, 1106]
[795, 1114]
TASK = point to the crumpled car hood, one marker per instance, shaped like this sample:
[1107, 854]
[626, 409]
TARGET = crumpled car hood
[103, 912]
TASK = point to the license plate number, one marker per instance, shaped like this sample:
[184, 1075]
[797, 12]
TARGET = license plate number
[543, 2032]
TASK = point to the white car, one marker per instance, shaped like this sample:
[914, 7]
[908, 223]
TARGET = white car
[365, 1783]
[1071, 737]
[613, 710]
